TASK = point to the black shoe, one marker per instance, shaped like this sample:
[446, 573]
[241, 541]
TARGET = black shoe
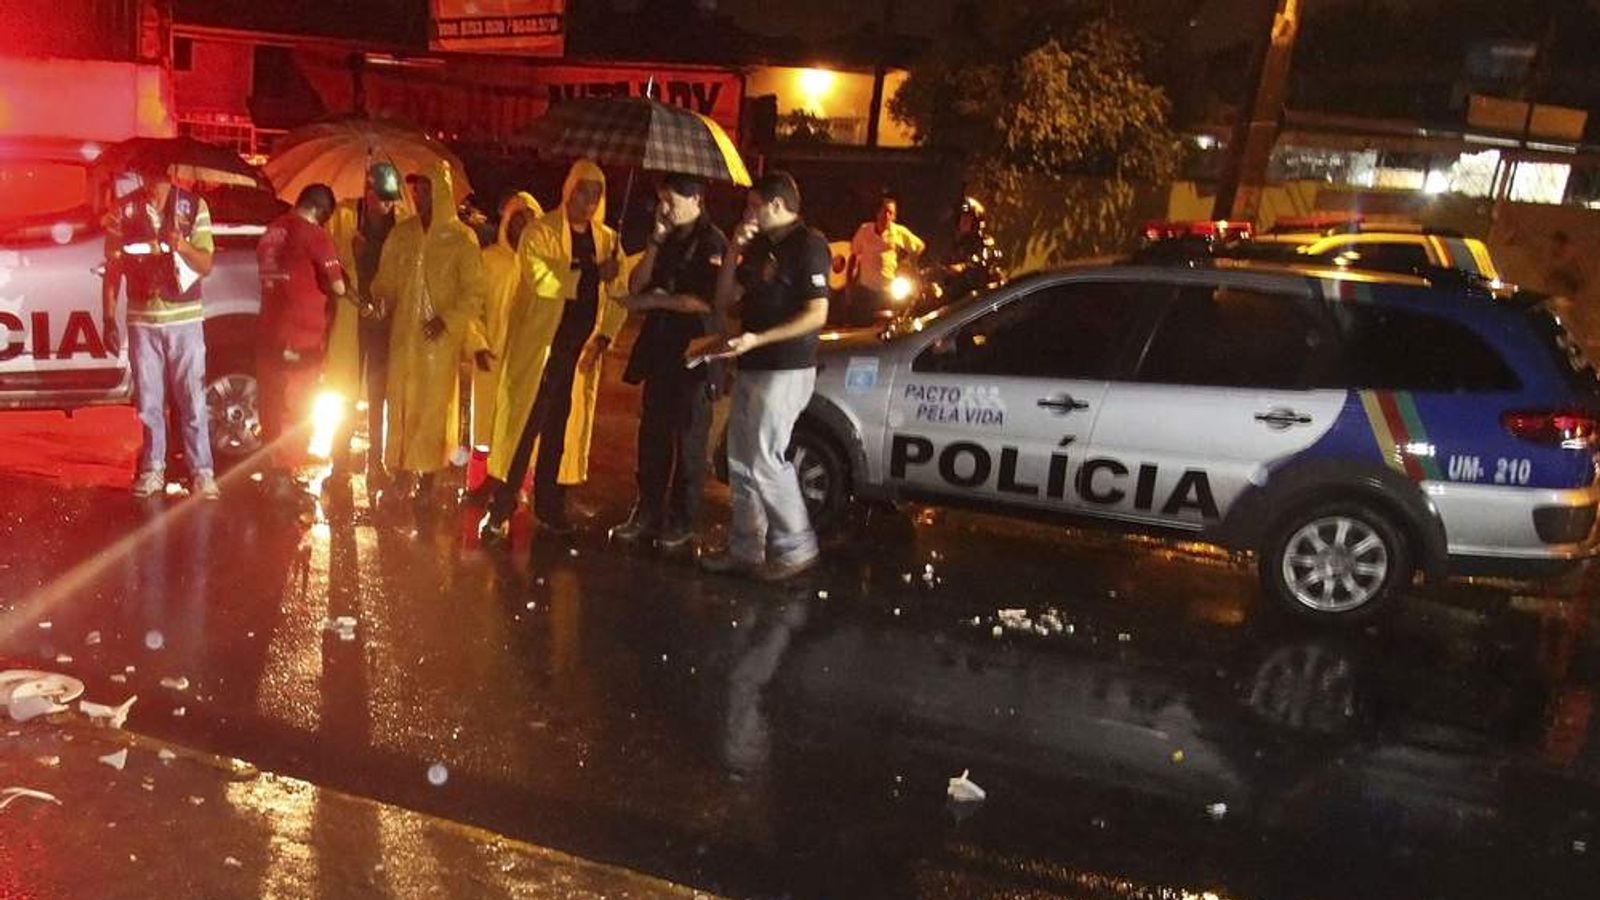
[632, 531]
[494, 528]
[677, 540]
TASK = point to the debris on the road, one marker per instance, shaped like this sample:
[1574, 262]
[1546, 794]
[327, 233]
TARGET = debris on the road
[573, 552]
[49, 762]
[963, 790]
[343, 626]
[107, 716]
[906, 577]
[195, 800]
[92, 638]
[45, 625]
[1217, 811]
[1580, 847]
[822, 595]
[1177, 756]
[232, 862]
[11, 793]
[1124, 637]
[29, 694]
[180, 712]
[166, 755]
[154, 640]
[177, 684]
[119, 678]
[63, 659]
[117, 760]
[438, 774]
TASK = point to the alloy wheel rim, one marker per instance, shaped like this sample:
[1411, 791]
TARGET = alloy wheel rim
[1335, 564]
[234, 419]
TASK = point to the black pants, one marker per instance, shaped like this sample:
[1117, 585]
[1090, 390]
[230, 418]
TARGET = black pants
[674, 427]
[374, 363]
[547, 424]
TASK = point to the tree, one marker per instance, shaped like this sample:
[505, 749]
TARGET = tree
[1052, 111]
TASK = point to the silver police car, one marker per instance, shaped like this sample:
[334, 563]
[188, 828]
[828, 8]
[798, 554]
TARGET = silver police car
[1351, 428]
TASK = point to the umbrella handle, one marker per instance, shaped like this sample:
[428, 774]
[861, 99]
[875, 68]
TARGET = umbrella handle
[627, 194]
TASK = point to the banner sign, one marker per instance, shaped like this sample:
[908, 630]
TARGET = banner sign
[531, 27]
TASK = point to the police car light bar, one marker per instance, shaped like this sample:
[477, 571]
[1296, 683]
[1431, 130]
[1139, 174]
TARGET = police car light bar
[1210, 229]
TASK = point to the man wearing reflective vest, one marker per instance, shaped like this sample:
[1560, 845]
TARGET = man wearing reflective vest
[159, 246]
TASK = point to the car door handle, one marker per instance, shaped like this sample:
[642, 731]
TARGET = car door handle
[1282, 418]
[1062, 404]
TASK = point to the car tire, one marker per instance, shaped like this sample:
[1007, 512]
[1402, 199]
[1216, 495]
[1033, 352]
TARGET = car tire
[232, 404]
[1335, 563]
[824, 477]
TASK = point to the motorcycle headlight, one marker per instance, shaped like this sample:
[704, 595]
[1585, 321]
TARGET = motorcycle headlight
[901, 289]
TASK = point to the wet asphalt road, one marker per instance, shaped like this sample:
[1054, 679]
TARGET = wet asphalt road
[1166, 736]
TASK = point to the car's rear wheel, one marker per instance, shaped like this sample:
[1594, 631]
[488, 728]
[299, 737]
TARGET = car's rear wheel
[1336, 562]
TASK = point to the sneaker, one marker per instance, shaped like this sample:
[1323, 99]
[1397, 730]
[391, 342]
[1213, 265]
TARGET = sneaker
[674, 540]
[205, 484]
[785, 571]
[724, 563]
[149, 484]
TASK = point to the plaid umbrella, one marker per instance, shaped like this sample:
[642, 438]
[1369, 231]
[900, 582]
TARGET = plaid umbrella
[642, 133]
[185, 158]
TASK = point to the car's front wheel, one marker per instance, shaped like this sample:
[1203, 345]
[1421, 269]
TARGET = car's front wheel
[824, 477]
[1335, 563]
[232, 404]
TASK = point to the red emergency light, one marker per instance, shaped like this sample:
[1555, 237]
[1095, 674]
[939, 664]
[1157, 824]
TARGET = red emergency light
[1208, 229]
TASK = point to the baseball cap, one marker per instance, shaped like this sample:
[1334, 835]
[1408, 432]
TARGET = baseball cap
[384, 179]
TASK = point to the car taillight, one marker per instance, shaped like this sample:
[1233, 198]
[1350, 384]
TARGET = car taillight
[1569, 429]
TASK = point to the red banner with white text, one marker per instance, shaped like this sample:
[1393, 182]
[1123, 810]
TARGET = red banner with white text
[530, 27]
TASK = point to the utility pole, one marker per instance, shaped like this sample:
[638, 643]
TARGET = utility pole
[879, 72]
[1239, 194]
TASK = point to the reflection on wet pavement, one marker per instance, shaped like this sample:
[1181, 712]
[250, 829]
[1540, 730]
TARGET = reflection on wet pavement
[1151, 731]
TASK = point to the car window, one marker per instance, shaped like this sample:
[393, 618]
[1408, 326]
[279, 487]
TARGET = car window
[1401, 350]
[1231, 337]
[1057, 331]
[1387, 257]
[40, 197]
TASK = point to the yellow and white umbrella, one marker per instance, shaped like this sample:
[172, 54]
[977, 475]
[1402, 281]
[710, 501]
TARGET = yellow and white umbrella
[337, 152]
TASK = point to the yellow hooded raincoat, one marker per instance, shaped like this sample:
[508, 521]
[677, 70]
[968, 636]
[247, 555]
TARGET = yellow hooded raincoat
[544, 257]
[342, 371]
[425, 272]
[488, 331]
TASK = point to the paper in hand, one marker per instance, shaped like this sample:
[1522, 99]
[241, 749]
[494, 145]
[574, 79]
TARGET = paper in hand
[705, 349]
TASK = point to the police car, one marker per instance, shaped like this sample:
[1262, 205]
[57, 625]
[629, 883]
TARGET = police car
[1350, 427]
[52, 353]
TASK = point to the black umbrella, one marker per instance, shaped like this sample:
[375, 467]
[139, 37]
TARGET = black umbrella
[184, 158]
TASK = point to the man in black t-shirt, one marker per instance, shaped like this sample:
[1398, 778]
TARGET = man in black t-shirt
[674, 285]
[781, 286]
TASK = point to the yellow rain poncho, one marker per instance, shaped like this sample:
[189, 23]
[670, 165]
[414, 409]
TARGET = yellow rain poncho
[342, 371]
[548, 283]
[427, 272]
[488, 331]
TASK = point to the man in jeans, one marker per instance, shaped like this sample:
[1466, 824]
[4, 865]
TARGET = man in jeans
[781, 282]
[159, 246]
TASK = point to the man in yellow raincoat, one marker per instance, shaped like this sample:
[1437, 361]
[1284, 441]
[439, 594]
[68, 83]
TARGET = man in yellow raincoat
[358, 345]
[431, 276]
[486, 336]
[566, 317]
